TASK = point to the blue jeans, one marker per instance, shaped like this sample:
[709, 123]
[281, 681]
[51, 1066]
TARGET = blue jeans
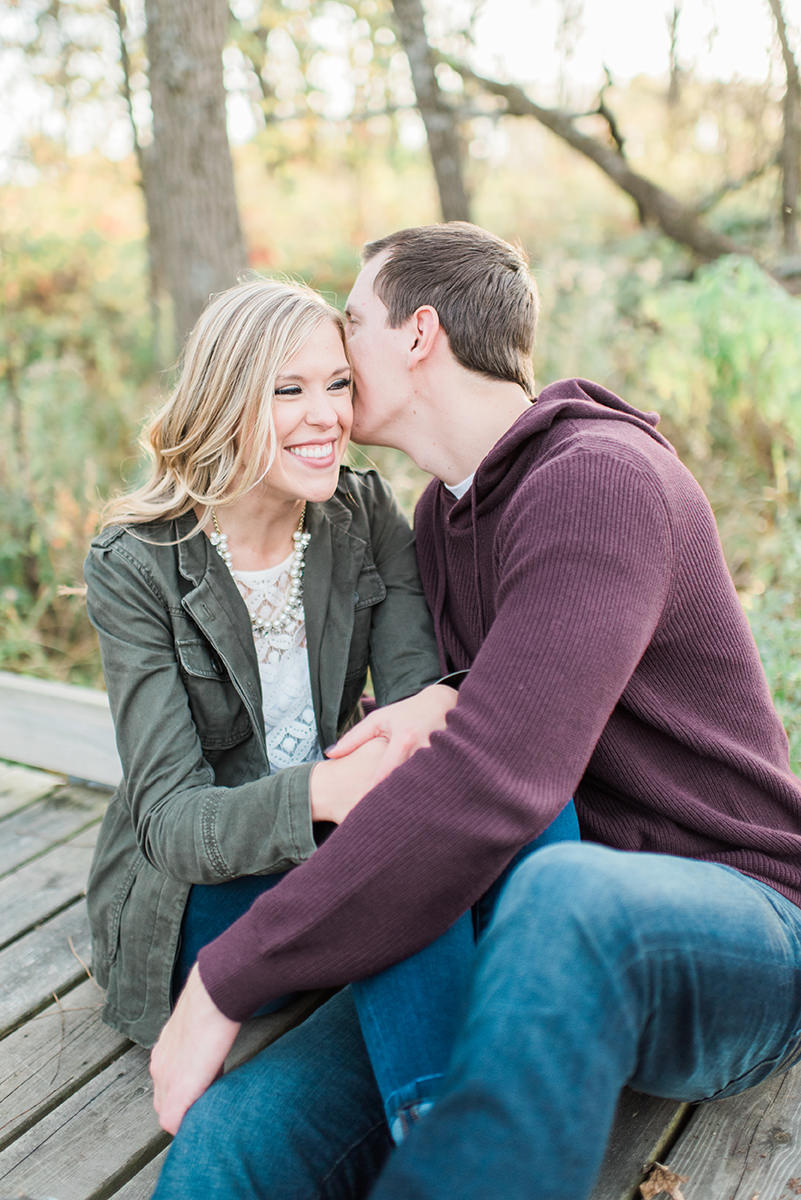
[409, 1015]
[303, 1120]
[409, 1012]
[600, 969]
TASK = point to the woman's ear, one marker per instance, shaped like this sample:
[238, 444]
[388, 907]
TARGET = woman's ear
[425, 329]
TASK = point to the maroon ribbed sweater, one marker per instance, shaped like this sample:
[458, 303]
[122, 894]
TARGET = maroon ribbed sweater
[582, 581]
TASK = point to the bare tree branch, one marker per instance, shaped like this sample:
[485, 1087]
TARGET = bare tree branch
[676, 219]
[603, 110]
[713, 198]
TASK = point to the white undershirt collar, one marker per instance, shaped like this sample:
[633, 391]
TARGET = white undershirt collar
[459, 489]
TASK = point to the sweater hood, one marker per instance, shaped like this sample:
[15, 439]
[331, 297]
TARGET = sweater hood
[566, 400]
[502, 472]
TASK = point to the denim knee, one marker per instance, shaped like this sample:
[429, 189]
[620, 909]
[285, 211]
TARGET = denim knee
[573, 893]
[565, 874]
[302, 1120]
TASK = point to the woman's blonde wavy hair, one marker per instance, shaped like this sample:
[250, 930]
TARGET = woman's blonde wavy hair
[201, 442]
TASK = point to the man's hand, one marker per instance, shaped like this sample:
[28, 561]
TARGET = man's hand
[406, 725]
[190, 1052]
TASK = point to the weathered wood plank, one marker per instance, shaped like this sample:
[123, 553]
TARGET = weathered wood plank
[745, 1146]
[59, 727]
[42, 963]
[643, 1126]
[94, 1142]
[62, 814]
[142, 1186]
[20, 785]
[46, 885]
[51, 1056]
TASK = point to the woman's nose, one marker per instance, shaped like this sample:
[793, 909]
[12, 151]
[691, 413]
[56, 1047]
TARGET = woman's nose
[322, 411]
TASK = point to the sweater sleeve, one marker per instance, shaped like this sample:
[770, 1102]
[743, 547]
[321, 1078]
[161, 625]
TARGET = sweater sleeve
[583, 564]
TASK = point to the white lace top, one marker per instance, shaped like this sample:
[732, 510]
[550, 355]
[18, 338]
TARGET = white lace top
[284, 668]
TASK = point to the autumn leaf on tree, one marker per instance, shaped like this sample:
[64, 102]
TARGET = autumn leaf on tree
[661, 1179]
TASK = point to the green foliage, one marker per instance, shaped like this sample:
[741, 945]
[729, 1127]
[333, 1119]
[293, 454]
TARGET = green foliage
[720, 357]
[775, 617]
[729, 343]
[75, 367]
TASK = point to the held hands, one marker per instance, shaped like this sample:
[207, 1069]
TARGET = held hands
[368, 752]
[190, 1052]
[336, 787]
[405, 726]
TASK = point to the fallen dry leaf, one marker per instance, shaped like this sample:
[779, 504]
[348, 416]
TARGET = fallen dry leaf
[661, 1179]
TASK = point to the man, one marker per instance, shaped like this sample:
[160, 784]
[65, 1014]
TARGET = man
[574, 571]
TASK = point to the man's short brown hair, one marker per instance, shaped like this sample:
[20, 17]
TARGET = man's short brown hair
[480, 286]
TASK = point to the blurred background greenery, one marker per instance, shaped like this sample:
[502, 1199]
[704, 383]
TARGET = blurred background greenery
[656, 200]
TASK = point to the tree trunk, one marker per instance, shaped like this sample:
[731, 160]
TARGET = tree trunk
[791, 136]
[444, 142]
[188, 172]
[155, 273]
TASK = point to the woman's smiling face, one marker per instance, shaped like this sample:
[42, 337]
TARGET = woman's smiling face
[312, 415]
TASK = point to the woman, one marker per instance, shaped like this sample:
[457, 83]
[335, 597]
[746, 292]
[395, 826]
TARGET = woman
[240, 596]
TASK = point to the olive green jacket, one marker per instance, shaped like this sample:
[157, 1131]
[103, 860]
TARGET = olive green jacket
[197, 803]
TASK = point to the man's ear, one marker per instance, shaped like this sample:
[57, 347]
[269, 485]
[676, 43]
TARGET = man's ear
[425, 330]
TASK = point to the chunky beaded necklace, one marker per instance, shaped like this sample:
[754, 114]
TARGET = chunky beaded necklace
[293, 609]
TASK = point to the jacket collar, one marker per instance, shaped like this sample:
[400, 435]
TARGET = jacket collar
[334, 560]
[195, 554]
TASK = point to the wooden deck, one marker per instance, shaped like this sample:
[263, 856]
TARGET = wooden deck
[76, 1121]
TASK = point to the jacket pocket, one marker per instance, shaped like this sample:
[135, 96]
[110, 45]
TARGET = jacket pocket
[370, 589]
[115, 914]
[141, 966]
[198, 660]
[217, 710]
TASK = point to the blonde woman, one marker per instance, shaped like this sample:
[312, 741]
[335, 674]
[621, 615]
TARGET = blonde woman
[240, 596]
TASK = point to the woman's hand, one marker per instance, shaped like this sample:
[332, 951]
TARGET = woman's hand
[335, 787]
[406, 725]
[190, 1052]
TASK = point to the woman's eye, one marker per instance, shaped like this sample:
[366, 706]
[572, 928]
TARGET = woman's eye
[290, 389]
[339, 385]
